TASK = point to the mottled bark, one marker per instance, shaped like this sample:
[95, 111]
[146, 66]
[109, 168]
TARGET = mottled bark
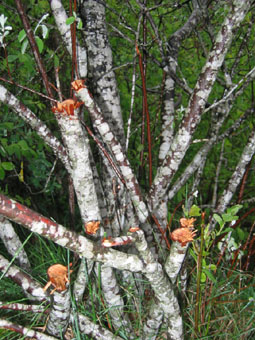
[197, 101]
[121, 160]
[173, 46]
[23, 307]
[153, 322]
[175, 260]
[103, 82]
[237, 175]
[115, 303]
[31, 288]
[118, 201]
[59, 313]
[25, 331]
[88, 327]
[66, 238]
[13, 244]
[162, 288]
[78, 151]
[81, 280]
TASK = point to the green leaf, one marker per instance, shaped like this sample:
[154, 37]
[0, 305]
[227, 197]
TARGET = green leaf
[22, 35]
[227, 230]
[234, 210]
[240, 234]
[193, 254]
[4, 141]
[14, 148]
[23, 144]
[212, 266]
[24, 46]
[210, 275]
[203, 277]
[39, 44]
[2, 173]
[70, 20]
[6, 125]
[8, 166]
[218, 219]
[140, 147]
[79, 26]
[229, 218]
[12, 57]
[194, 211]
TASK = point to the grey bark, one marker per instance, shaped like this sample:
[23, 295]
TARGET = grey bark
[13, 244]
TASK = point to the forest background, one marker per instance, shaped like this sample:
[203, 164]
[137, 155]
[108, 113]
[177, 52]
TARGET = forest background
[127, 141]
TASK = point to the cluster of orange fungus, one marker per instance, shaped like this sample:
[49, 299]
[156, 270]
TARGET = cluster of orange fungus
[58, 277]
[67, 107]
[183, 235]
[187, 222]
[186, 233]
[91, 227]
[78, 84]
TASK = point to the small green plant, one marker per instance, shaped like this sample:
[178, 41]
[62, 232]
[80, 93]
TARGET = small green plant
[201, 248]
